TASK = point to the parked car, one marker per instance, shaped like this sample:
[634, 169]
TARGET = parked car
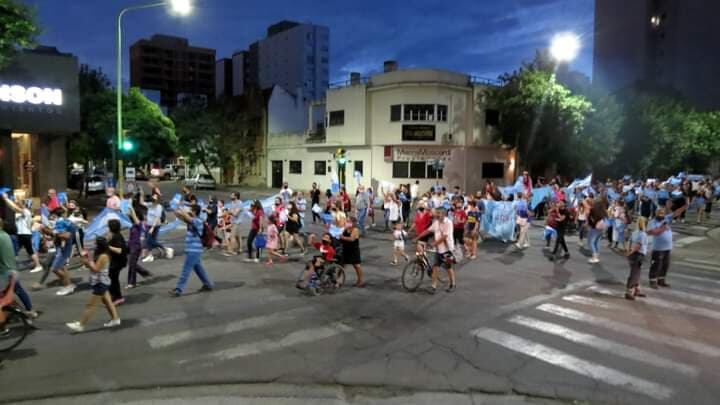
[201, 181]
[95, 184]
[160, 173]
[140, 175]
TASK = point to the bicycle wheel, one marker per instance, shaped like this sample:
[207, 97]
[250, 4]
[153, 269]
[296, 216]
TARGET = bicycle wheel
[338, 281]
[412, 275]
[15, 329]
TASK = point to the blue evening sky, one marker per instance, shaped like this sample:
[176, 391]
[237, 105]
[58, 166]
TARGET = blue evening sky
[478, 37]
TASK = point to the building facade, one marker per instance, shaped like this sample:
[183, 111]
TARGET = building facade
[293, 55]
[39, 110]
[170, 65]
[397, 127]
[661, 43]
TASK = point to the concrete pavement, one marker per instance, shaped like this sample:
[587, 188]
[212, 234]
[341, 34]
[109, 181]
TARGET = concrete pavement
[517, 325]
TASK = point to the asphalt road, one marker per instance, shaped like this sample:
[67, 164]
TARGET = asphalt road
[518, 324]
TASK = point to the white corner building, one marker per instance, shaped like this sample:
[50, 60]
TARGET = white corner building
[395, 127]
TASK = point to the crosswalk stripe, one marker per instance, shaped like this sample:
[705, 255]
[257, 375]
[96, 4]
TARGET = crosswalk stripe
[267, 345]
[677, 306]
[687, 263]
[163, 318]
[694, 278]
[604, 345]
[691, 296]
[660, 338]
[575, 364]
[157, 342]
[682, 242]
[579, 299]
[715, 264]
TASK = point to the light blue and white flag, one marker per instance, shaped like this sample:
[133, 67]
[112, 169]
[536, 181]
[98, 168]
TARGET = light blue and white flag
[499, 220]
[581, 183]
[539, 195]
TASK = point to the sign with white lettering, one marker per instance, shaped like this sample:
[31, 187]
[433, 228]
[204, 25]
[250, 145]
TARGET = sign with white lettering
[15, 93]
[416, 154]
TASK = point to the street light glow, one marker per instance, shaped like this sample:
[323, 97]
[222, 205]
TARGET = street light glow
[181, 7]
[565, 47]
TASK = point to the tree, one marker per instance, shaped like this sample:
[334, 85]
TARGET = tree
[145, 124]
[18, 29]
[541, 118]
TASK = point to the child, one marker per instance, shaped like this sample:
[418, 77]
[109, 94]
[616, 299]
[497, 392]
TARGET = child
[399, 236]
[459, 218]
[620, 219]
[472, 229]
[327, 254]
[636, 256]
[273, 241]
[551, 223]
[100, 282]
[135, 248]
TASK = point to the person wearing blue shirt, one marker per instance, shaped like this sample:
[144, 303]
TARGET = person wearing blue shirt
[636, 257]
[193, 251]
[62, 231]
[659, 228]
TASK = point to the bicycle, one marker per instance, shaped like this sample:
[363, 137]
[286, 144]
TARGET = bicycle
[414, 272]
[14, 324]
[330, 279]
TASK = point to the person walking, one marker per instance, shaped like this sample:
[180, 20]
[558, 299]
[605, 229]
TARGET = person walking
[293, 226]
[362, 204]
[24, 222]
[399, 236]
[100, 282]
[596, 225]
[315, 201]
[135, 249]
[235, 209]
[255, 228]
[118, 260]
[350, 240]
[154, 221]
[62, 233]
[193, 251]
[563, 219]
[522, 219]
[636, 256]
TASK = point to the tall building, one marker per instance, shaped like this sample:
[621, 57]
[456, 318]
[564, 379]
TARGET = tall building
[170, 65]
[293, 55]
[223, 78]
[663, 43]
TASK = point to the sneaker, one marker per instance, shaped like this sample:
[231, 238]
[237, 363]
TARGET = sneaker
[473, 257]
[66, 290]
[119, 301]
[36, 269]
[451, 288]
[525, 246]
[566, 256]
[148, 259]
[169, 253]
[518, 246]
[112, 323]
[256, 260]
[432, 290]
[229, 254]
[205, 288]
[174, 293]
[75, 326]
[129, 286]
[32, 314]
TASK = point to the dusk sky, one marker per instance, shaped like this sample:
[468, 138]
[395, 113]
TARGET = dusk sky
[479, 37]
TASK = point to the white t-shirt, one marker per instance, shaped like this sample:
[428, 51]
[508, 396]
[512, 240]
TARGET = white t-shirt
[414, 191]
[393, 211]
[440, 229]
[23, 221]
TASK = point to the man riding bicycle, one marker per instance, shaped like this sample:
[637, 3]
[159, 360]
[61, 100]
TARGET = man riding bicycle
[442, 230]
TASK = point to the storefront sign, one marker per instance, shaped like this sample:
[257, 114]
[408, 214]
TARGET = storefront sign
[30, 95]
[418, 132]
[416, 154]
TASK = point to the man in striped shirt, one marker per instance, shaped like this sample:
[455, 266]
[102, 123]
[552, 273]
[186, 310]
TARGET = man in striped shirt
[193, 251]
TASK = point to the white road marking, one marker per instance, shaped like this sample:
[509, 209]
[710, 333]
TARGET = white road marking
[682, 242]
[677, 306]
[598, 343]
[161, 341]
[706, 262]
[579, 299]
[698, 266]
[691, 296]
[267, 345]
[694, 278]
[536, 299]
[163, 318]
[660, 338]
[575, 364]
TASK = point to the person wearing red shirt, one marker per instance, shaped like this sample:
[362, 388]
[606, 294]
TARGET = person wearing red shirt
[423, 219]
[53, 202]
[255, 228]
[327, 255]
[459, 220]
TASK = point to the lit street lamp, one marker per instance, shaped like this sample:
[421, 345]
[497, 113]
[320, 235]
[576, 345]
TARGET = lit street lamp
[565, 47]
[178, 7]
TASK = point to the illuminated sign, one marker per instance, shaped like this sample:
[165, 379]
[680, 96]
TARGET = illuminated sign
[30, 95]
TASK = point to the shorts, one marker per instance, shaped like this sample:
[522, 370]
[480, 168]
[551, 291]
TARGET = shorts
[398, 244]
[100, 289]
[470, 230]
[60, 259]
[25, 241]
[441, 260]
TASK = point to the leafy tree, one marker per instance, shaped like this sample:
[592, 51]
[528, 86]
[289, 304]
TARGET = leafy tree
[145, 124]
[18, 29]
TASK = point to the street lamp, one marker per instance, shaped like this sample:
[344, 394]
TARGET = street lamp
[565, 47]
[179, 7]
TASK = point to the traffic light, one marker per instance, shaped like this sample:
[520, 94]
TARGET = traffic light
[127, 146]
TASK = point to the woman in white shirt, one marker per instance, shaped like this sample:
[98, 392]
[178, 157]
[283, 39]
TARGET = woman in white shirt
[393, 208]
[24, 221]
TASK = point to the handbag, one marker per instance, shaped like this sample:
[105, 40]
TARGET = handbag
[260, 241]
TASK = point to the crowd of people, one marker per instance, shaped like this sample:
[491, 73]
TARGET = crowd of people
[629, 214]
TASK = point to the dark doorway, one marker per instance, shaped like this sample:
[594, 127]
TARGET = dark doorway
[277, 173]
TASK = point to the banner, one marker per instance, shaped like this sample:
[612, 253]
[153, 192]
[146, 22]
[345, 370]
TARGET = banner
[539, 195]
[580, 183]
[98, 227]
[499, 220]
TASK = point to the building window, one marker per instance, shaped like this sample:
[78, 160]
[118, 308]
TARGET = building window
[419, 112]
[492, 117]
[434, 174]
[320, 168]
[425, 133]
[492, 170]
[401, 170]
[296, 167]
[442, 113]
[358, 167]
[310, 60]
[417, 170]
[395, 112]
[337, 118]
[324, 60]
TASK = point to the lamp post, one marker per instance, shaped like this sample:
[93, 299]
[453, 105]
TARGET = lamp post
[179, 7]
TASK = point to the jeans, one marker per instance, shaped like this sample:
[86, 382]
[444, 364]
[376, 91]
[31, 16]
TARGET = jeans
[560, 241]
[362, 213]
[193, 262]
[151, 240]
[251, 244]
[594, 240]
[23, 295]
[659, 264]
[635, 260]
[134, 268]
[619, 232]
[582, 230]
